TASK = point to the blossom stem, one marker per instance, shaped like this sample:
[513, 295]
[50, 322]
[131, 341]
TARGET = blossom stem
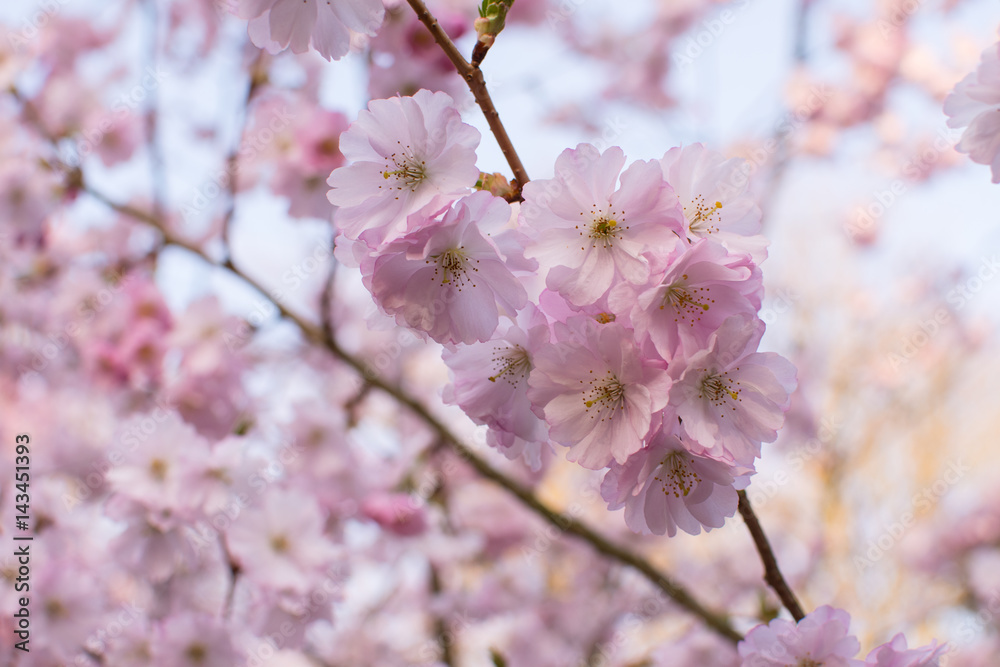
[316, 334]
[772, 573]
[477, 84]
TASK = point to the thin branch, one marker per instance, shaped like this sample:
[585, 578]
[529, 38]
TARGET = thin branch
[258, 76]
[477, 84]
[315, 334]
[772, 573]
[156, 160]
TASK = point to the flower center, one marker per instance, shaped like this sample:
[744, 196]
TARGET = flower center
[702, 217]
[604, 392]
[453, 267]
[689, 303]
[676, 475]
[279, 544]
[512, 364]
[409, 172]
[605, 228]
[196, 653]
[717, 387]
[158, 469]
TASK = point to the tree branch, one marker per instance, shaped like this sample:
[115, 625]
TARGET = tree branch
[772, 573]
[477, 84]
[317, 335]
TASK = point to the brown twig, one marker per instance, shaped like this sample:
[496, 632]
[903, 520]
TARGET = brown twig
[258, 77]
[316, 335]
[772, 573]
[477, 84]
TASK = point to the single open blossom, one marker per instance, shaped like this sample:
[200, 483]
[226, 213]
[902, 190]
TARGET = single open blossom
[703, 286]
[666, 485]
[731, 398]
[447, 279]
[819, 639]
[194, 640]
[592, 231]
[975, 105]
[404, 152]
[398, 513]
[281, 545]
[597, 392]
[325, 24]
[895, 653]
[491, 386]
[713, 192]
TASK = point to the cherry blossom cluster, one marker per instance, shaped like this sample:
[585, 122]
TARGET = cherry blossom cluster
[612, 311]
[975, 105]
[821, 638]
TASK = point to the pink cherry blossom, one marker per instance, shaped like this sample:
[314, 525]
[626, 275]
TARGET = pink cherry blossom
[597, 392]
[491, 386]
[397, 513]
[165, 460]
[703, 286]
[975, 105]
[280, 544]
[325, 24]
[895, 653]
[818, 639]
[665, 486]
[713, 193]
[194, 640]
[405, 152]
[729, 397]
[594, 232]
[447, 279]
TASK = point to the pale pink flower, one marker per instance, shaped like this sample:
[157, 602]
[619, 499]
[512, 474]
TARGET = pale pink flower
[325, 24]
[703, 286]
[164, 461]
[281, 544]
[895, 653]
[818, 639]
[66, 603]
[491, 386]
[713, 193]
[447, 279]
[398, 513]
[405, 152]
[194, 640]
[597, 392]
[594, 232]
[729, 397]
[666, 485]
[975, 105]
